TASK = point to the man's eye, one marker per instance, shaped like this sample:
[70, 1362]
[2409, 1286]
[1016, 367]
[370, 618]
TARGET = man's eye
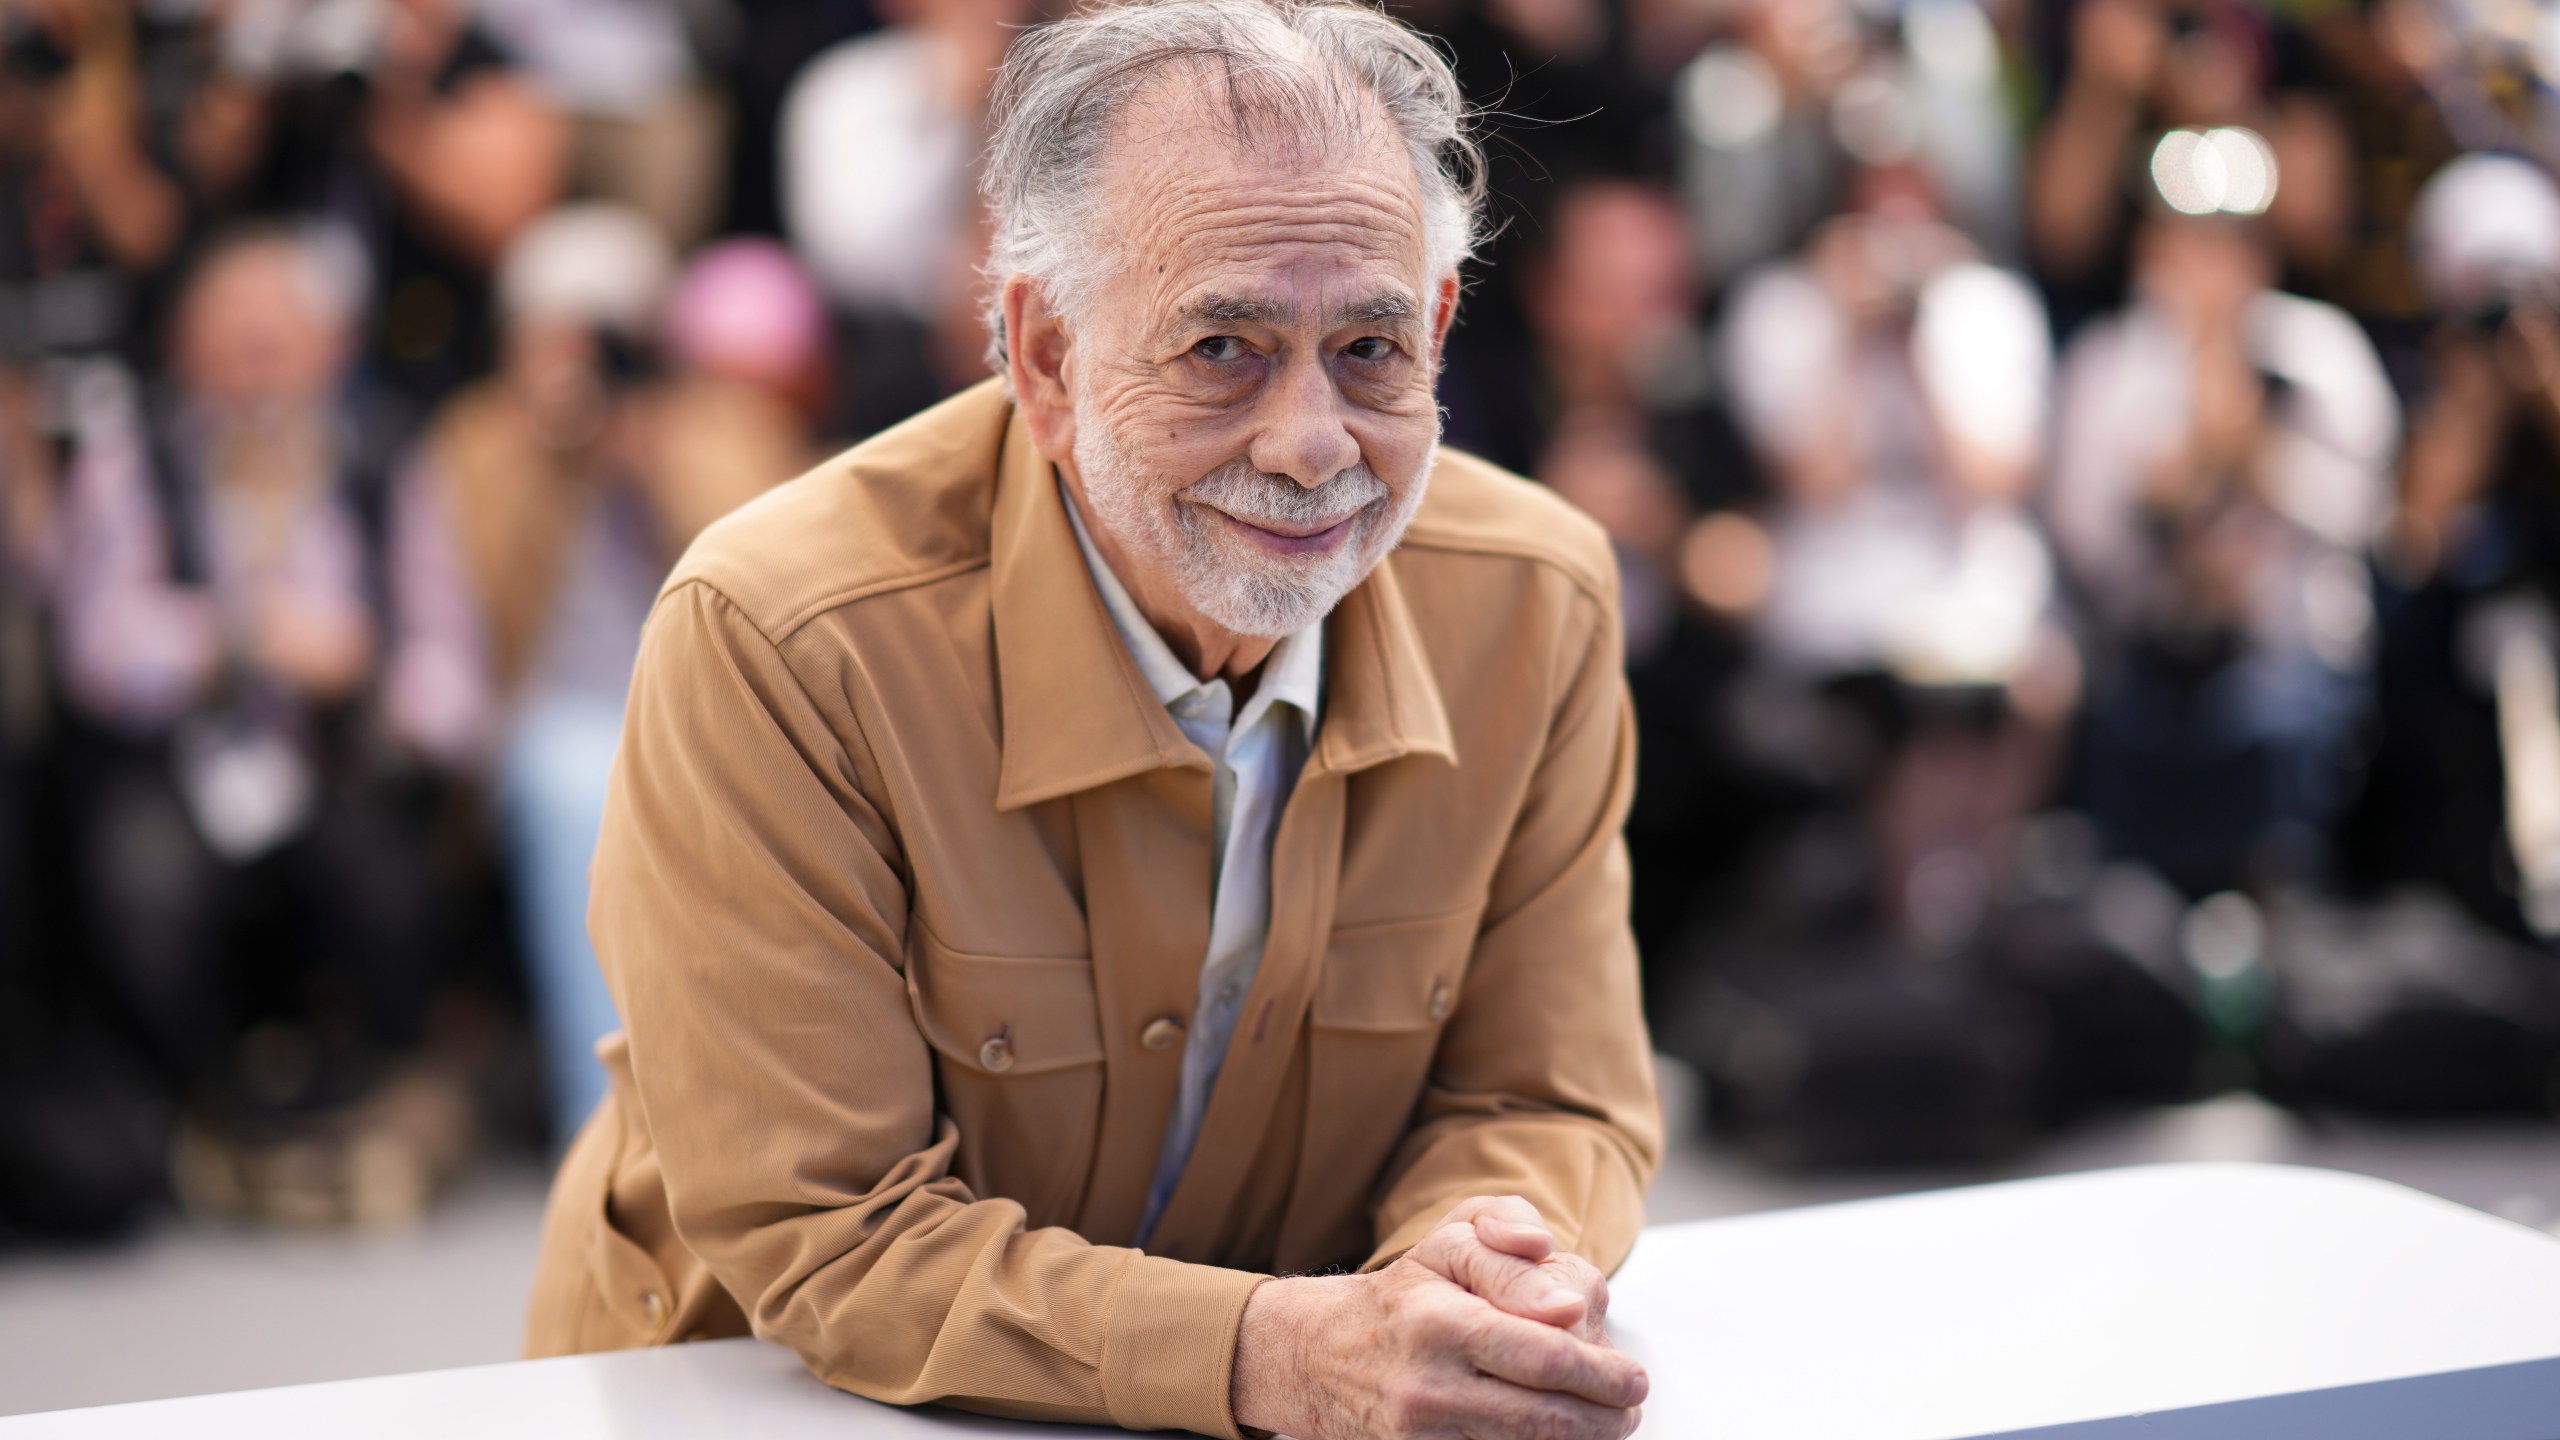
[1219, 349]
[1370, 347]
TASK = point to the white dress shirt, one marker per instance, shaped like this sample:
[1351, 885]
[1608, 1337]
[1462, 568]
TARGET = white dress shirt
[1257, 756]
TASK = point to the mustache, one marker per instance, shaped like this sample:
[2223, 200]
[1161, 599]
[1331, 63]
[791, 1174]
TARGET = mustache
[1258, 497]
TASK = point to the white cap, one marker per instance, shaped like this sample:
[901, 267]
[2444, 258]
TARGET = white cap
[597, 263]
[2484, 223]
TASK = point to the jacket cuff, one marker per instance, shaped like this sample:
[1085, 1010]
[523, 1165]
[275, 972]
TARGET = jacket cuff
[1169, 1349]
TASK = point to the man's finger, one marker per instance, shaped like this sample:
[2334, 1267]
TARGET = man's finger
[1585, 1281]
[1542, 1357]
[1530, 1240]
[1563, 1289]
[1508, 1224]
[1540, 1292]
[1497, 1407]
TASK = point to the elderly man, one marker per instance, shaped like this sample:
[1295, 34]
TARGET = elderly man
[1063, 871]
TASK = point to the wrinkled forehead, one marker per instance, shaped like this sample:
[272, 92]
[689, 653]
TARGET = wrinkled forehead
[1293, 191]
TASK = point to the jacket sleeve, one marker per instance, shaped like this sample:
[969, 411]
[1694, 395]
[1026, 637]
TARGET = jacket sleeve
[750, 912]
[1543, 1085]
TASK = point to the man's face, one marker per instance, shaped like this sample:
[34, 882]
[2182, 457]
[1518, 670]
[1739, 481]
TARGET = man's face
[1252, 390]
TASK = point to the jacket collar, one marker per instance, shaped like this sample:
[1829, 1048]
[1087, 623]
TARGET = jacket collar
[1381, 701]
[1076, 712]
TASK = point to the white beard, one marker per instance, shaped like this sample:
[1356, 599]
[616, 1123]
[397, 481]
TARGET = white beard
[1225, 576]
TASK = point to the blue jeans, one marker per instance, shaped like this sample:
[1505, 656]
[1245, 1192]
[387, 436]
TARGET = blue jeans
[551, 788]
[2196, 773]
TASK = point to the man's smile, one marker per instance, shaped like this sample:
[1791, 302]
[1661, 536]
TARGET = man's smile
[1281, 539]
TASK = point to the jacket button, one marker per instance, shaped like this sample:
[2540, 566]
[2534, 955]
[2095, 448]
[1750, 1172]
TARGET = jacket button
[654, 1306]
[1162, 1033]
[1439, 1000]
[996, 1054]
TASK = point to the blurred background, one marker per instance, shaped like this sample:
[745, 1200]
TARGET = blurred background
[2087, 475]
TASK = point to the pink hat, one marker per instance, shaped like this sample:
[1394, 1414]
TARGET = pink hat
[746, 308]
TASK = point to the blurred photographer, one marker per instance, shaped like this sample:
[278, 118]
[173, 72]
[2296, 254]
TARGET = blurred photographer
[407, 123]
[875, 150]
[119, 134]
[1897, 388]
[2223, 460]
[1776, 120]
[1615, 407]
[559, 490]
[253, 863]
[2126, 69]
[2461, 790]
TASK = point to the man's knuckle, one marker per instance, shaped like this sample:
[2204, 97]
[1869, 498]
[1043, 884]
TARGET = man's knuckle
[1436, 1252]
[1551, 1361]
[1597, 1373]
[1441, 1329]
[1533, 1418]
[1555, 1419]
[1477, 1331]
[1416, 1407]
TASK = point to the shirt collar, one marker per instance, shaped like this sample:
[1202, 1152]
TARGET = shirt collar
[1292, 675]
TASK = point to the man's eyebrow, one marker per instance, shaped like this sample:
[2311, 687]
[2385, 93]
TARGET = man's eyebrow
[1378, 309]
[1215, 309]
[1238, 310]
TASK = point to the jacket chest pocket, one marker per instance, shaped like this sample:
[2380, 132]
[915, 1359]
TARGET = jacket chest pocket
[1017, 1066]
[1381, 1001]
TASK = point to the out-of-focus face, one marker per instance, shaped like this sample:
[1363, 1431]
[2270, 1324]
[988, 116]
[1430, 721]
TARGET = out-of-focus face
[253, 331]
[1619, 279]
[2208, 74]
[554, 366]
[1812, 44]
[1247, 409]
[2204, 271]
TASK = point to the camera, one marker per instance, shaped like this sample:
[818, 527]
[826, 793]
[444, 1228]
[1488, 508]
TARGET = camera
[29, 54]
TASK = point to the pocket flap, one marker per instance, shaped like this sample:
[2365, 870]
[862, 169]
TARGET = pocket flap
[1000, 1015]
[1399, 975]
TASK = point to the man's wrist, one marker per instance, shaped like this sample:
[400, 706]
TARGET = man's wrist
[1268, 1384]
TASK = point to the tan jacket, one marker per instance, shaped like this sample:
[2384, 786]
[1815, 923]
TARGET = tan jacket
[904, 890]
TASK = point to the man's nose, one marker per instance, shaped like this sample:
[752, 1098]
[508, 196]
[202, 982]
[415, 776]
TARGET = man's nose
[1302, 435]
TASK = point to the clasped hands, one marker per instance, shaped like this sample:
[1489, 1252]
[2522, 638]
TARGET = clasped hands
[1483, 1331]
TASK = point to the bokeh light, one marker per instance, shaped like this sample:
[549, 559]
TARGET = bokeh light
[2230, 170]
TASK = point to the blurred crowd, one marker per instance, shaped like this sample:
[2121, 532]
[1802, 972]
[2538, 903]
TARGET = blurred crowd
[2083, 471]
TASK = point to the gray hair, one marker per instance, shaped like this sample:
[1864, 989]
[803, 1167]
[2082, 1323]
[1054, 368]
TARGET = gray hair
[1063, 87]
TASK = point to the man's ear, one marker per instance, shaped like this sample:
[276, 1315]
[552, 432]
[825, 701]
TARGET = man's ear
[1444, 313]
[1036, 347]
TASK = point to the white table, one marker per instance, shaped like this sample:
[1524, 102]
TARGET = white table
[2077, 1305]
